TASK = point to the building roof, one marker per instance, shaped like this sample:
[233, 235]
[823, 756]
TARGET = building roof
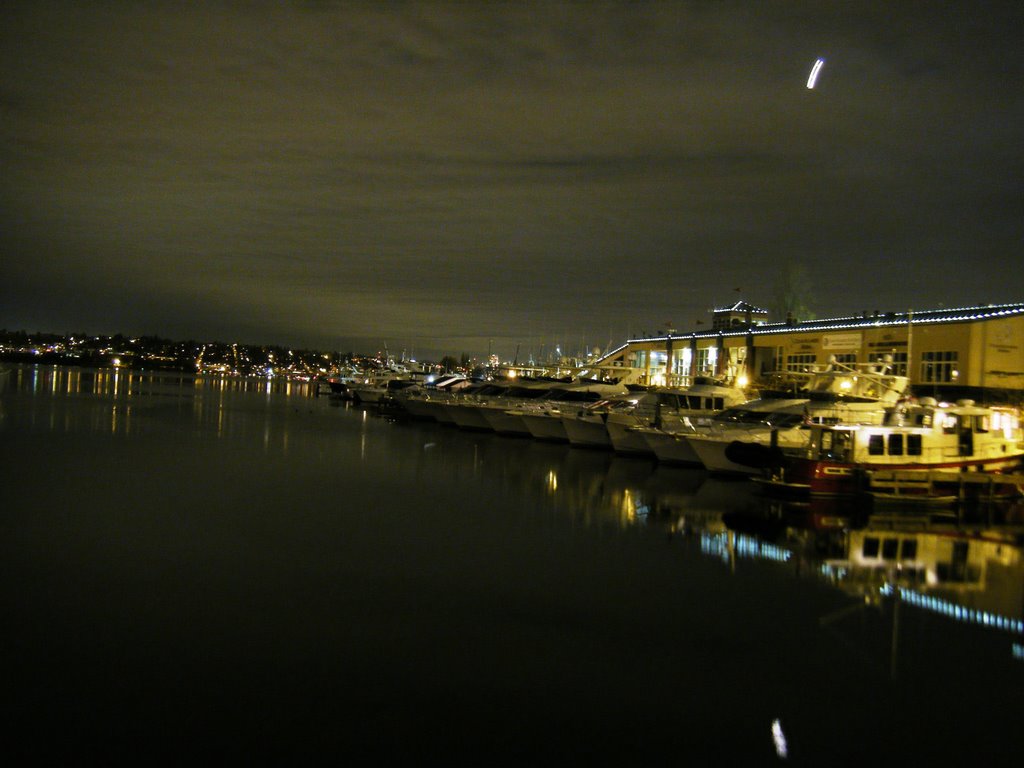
[881, 319]
[742, 306]
[864, 320]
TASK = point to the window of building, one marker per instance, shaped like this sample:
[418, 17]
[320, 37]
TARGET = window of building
[800, 362]
[870, 546]
[908, 549]
[896, 445]
[890, 548]
[899, 362]
[876, 445]
[706, 360]
[913, 445]
[847, 358]
[938, 367]
[685, 360]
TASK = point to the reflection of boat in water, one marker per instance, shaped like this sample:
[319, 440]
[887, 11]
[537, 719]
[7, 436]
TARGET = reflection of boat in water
[969, 574]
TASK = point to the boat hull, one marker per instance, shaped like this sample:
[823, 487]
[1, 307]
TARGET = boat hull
[946, 479]
[587, 431]
[546, 426]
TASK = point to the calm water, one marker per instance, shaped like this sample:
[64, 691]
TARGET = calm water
[229, 570]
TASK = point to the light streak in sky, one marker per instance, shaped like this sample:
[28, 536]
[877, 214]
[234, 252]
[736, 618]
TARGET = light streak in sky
[814, 72]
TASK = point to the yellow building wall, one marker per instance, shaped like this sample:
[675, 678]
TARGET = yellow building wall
[997, 358]
[989, 353]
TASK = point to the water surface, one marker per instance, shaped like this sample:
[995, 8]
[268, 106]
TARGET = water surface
[225, 569]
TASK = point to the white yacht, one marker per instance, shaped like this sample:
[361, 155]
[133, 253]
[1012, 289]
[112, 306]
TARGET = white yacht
[543, 418]
[587, 427]
[739, 440]
[660, 414]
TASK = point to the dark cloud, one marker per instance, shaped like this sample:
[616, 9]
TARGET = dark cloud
[464, 175]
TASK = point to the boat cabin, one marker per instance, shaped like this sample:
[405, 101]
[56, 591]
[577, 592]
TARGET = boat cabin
[924, 433]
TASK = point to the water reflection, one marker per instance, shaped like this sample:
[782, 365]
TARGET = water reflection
[123, 402]
[966, 572]
[117, 382]
[969, 572]
[260, 524]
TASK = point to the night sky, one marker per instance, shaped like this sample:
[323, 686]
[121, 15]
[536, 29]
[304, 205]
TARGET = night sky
[463, 177]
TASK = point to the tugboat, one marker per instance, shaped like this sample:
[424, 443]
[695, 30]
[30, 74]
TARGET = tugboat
[922, 449]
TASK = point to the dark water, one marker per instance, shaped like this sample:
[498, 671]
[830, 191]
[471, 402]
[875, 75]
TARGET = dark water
[224, 570]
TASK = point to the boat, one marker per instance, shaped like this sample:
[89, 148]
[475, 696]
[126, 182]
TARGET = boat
[431, 403]
[490, 409]
[660, 414]
[543, 417]
[747, 438]
[371, 386]
[419, 402]
[588, 426]
[922, 448]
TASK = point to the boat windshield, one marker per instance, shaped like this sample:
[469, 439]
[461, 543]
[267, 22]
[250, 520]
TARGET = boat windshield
[767, 418]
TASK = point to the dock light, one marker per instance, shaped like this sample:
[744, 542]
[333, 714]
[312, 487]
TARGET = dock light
[116, 362]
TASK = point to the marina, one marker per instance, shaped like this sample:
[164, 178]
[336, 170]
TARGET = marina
[512, 384]
[241, 564]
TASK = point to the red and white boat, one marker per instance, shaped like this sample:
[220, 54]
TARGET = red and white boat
[929, 445]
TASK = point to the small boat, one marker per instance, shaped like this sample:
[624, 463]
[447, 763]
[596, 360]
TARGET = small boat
[925, 449]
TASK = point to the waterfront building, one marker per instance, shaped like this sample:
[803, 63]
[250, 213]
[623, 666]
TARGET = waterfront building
[967, 352]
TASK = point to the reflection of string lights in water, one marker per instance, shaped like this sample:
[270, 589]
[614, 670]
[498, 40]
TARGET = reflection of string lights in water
[743, 546]
[832, 572]
[954, 611]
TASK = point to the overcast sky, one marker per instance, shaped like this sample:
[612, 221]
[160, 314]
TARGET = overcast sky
[458, 177]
